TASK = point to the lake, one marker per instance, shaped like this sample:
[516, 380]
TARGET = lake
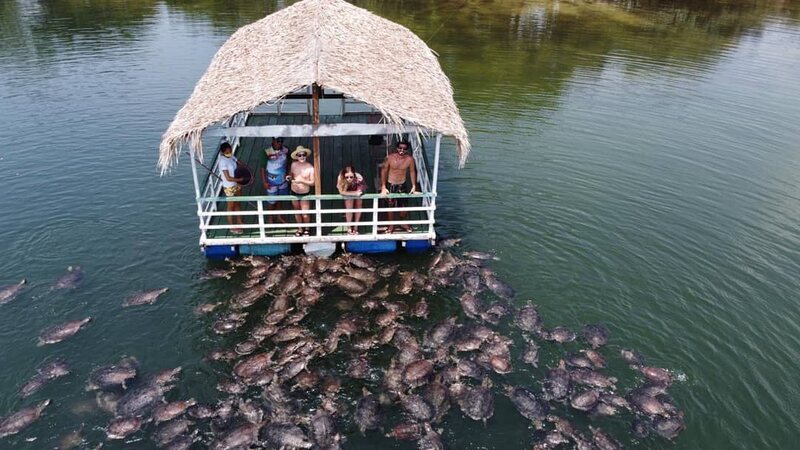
[634, 164]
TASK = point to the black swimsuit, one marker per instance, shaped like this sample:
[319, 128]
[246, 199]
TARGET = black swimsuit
[397, 189]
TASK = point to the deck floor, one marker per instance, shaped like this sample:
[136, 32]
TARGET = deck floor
[336, 152]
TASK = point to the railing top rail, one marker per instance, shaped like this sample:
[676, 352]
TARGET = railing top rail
[313, 197]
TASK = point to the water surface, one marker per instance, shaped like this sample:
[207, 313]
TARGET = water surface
[634, 164]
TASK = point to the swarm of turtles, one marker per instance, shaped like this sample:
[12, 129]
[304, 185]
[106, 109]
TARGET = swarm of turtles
[316, 350]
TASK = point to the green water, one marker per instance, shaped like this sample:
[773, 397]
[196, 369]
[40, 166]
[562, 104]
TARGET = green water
[634, 164]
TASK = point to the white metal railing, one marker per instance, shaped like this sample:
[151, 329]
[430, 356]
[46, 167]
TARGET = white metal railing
[257, 231]
[212, 185]
[209, 197]
[423, 180]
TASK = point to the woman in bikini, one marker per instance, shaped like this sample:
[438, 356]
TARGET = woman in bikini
[351, 184]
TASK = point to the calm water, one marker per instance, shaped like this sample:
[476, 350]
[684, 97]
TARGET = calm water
[634, 163]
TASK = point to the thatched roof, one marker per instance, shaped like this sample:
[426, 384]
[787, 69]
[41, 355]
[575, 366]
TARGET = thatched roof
[335, 45]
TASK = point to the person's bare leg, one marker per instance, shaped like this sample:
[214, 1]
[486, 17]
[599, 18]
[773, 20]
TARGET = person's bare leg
[298, 217]
[357, 214]
[348, 215]
[239, 219]
[278, 207]
[404, 216]
[390, 214]
[306, 205]
[231, 219]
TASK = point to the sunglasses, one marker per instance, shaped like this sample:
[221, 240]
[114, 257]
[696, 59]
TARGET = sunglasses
[301, 155]
[348, 177]
[402, 148]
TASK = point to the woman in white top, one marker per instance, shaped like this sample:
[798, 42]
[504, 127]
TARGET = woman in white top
[230, 184]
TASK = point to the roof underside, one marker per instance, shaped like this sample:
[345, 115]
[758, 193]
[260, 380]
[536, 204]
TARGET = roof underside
[335, 45]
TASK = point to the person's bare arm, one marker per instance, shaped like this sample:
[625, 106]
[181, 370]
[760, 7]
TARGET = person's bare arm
[384, 176]
[228, 177]
[344, 191]
[412, 169]
[264, 178]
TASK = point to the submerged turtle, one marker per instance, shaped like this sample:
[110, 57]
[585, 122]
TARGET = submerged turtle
[669, 427]
[595, 335]
[58, 333]
[556, 385]
[112, 376]
[584, 401]
[592, 378]
[407, 431]
[527, 404]
[528, 319]
[417, 408]
[8, 293]
[632, 357]
[21, 419]
[478, 403]
[560, 335]
[417, 373]
[285, 435]
[368, 412]
[122, 427]
[603, 441]
[45, 374]
[169, 411]
[531, 354]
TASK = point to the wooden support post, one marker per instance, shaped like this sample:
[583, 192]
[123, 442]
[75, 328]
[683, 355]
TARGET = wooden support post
[315, 147]
[315, 94]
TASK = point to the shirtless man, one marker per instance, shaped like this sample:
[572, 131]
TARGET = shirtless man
[301, 175]
[394, 172]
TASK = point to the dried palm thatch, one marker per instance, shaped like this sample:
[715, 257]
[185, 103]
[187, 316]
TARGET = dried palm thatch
[333, 44]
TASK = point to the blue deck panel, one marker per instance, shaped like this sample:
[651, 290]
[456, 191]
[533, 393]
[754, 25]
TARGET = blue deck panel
[265, 249]
[219, 252]
[418, 246]
[371, 246]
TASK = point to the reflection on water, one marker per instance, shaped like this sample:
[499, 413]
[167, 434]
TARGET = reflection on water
[635, 164]
[519, 51]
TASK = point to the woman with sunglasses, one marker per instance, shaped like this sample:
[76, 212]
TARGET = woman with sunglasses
[301, 176]
[351, 184]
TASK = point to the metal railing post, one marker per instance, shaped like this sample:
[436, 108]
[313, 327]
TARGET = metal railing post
[318, 215]
[261, 231]
[197, 198]
[434, 184]
[375, 216]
